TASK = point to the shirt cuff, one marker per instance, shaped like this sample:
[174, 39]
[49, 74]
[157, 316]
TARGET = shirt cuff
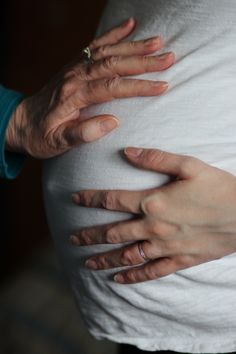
[10, 163]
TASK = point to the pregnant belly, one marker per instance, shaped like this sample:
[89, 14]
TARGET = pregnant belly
[193, 118]
[174, 122]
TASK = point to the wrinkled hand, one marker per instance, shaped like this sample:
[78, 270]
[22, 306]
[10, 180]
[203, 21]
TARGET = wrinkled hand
[48, 123]
[189, 221]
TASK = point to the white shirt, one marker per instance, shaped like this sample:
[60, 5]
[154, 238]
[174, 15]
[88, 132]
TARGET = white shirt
[193, 310]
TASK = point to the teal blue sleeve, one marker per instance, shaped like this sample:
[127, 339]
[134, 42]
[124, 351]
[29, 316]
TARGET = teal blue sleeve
[10, 163]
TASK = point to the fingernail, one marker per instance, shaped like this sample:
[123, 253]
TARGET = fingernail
[108, 124]
[91, 264]
[161, 84]
[164, 56]
[119, 278]
[131, 19]
[134, 152]
[153, 40]
[76, 198]
[74, 240]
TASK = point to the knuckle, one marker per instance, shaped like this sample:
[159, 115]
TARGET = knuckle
[162, 229]
[85, 237]
[67, 89]
[172, 247]
[101, 51]
[187, 163]
[108, 201]
[111, 236]
[132, 44]
[86, 72]
[103, 263]
[126, 257]
[185, 261]
[109, 63]
[154, 228]
[130, 277]
[159, 271]
[112, 83]
[150, 273]
[158, 208]
[145, 60]
[154, 157]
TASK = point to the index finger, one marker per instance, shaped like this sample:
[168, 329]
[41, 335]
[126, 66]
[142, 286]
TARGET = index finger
[115, 35]
[117, 200]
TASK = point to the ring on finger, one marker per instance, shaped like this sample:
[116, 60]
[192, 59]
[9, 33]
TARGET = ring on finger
[87, 55]
[141, 252]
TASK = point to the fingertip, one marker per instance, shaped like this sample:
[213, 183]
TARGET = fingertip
[130, 22]
[133, 24]
[133, 152]
[119, 279]
[170, 59]
[165, 87]
[173, 56]
[129, 25]
[74, 240]
[75, 198]
[108, 124]
[91, 264]
[153, 44]
[161, 86]
[114, 118]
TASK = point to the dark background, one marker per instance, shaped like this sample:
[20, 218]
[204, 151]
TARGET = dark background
[37, 39]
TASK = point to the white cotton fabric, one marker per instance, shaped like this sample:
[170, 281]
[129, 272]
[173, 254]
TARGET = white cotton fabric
[193, 310]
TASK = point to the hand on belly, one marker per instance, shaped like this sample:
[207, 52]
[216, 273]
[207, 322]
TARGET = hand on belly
[186, 222]
[50, 123]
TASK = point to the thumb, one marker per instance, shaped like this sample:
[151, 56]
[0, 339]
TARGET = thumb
[89, 130]
[160, 161]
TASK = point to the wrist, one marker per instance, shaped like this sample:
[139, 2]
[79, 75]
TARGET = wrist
[10, 163]
[16, 134]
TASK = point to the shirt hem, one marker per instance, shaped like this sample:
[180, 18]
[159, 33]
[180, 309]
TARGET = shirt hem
[173, 345]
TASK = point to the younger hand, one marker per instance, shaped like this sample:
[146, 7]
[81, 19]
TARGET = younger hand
[189, 221]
